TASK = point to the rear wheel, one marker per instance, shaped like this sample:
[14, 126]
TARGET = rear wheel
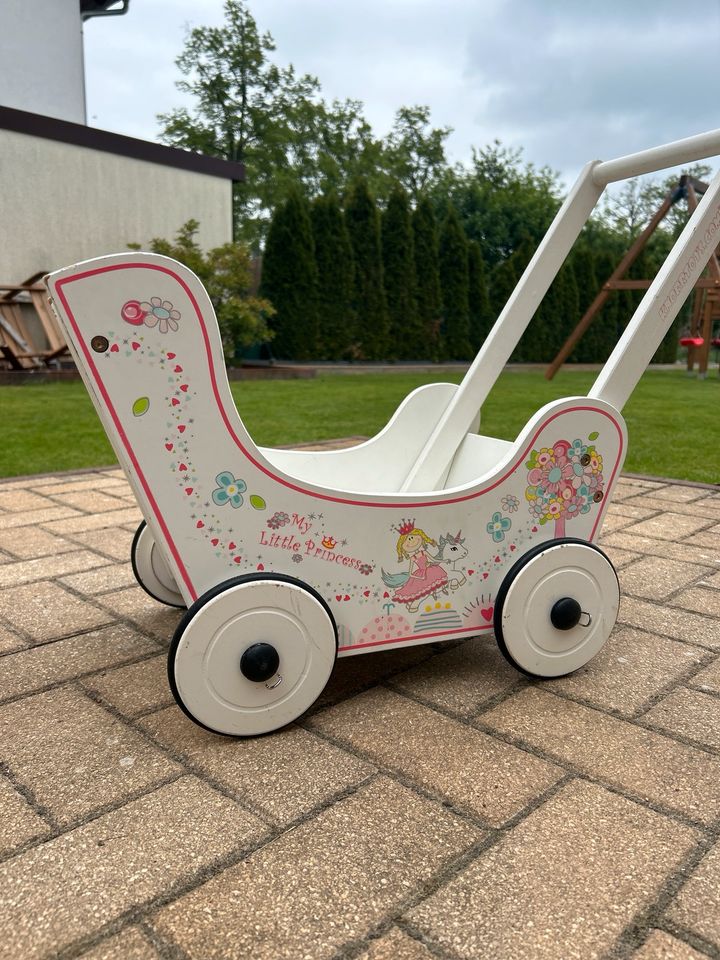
[556, 607]
[151, 571]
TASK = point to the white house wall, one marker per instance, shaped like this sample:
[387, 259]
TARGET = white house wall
[61, 203]
[41, 53]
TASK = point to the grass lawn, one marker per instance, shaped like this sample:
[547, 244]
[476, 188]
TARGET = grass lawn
[673, 421]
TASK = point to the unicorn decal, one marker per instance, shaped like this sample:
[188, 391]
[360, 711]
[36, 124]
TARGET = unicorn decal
[452, 551]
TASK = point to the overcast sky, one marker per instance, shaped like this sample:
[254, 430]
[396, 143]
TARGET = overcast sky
[566, 80]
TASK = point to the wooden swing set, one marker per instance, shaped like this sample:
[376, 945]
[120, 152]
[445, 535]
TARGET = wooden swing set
[706, 296]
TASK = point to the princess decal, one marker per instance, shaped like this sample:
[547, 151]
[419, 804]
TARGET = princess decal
[425, 576]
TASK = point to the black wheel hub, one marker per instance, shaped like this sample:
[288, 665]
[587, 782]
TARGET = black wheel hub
[565, 613]
[259, 662]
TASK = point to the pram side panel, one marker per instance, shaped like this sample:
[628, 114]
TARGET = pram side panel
[217, 508]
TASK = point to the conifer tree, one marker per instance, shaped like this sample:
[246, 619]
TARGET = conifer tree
[406, 340]
[454, 288]
[481, 318]
[289, 280]
[334, 263]
[363, 224]
[427, 277]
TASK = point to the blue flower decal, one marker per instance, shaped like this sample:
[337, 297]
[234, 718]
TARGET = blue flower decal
[229, 490]
[498, 527]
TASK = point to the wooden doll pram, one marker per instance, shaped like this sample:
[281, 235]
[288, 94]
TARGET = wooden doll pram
[429, 531]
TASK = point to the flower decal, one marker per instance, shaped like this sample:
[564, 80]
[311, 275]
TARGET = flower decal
[563, 482]
[365, 569]
[296, 558]
[278, 520]
[498, 527]
[229, 490]
[160, 313]
[510, 503]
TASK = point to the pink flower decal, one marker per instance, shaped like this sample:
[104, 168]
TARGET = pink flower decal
[161, 314]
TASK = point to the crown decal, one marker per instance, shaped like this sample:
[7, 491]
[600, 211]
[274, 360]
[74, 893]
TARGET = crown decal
[407, 526]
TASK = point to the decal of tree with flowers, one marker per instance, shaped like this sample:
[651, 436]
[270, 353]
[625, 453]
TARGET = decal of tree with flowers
[564, 481]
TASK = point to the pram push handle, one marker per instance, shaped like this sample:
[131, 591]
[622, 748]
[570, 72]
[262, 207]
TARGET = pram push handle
[653, 317]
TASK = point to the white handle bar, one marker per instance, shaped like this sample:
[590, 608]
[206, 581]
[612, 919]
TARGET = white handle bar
[633, 353]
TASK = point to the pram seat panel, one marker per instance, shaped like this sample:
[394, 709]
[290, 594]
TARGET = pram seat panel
[378, 465]
[395, 569]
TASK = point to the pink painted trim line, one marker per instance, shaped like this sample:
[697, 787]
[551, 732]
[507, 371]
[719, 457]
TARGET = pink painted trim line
[416, 636]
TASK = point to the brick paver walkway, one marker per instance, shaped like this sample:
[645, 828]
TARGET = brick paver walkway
[434, 803]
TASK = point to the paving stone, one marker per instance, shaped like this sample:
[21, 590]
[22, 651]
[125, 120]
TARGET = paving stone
[708, 538]
[131, 944]
[134, 689]
[640, 762]
[149, 614]
[45, 611]
[632, 667]
[365, 855]
[670, 622]
[32, 669]
[678, 493]
[633, 487]
[9, 641]
[113, 576]
[46, 568]
[668, 526]
[95, 482]
[76, 757]
[712, 581]
[697, 905]
[615, 521]
[462, 679]
[708, 679]
[86, 522]
[29, 483]
[284, 776]
[690, 714]
[634, 510]
[33, 542]
[396, 945]
[562, 884]
[19, 823]
[92, 501]
[657, 578]
[352, 674]
[701, 600]
[619, 558]
[18, 501]
[693, 551]
[73, 886]
[475, 772]
[661, 946]
[704, 509]
[11, 521]
[113, 542]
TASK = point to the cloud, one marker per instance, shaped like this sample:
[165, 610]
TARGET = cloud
[567, 81]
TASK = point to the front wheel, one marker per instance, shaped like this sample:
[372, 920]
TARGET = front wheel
[252, 654]
[556, 608]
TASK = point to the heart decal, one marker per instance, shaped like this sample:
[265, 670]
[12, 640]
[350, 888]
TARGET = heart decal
[175, 402]
[386, 595]
[366, 593]
[214, 541]
[181, 428]
[346, 597]
[261, 566]
[184, 387]
[114, 348]
[199, 524]
[232, 545]
[338, 597]
[497, 559]
[237, 559]
[135, 345]
[487, 613]
[169, 446]
[178, 368]
[171, 356]
[188, 490]
[513, 547]
[470, 572]
[485, 576]
[183, 468]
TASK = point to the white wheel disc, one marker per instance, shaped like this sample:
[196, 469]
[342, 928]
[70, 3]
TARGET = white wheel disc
[205, 657]
[575, 570]
[151, 570]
